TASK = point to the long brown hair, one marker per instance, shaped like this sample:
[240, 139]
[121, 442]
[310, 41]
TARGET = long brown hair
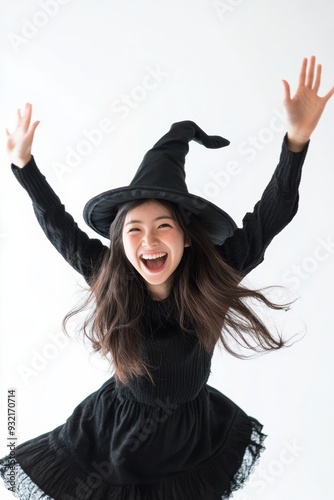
[209, 300]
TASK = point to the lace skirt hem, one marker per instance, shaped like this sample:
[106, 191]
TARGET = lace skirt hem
[211, 480]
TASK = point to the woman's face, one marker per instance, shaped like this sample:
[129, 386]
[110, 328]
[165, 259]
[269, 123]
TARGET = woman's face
[154, 243]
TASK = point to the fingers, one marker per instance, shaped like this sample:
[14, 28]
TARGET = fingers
[310, 77]
[18, 118]
[23, 118]
[317, 78]
[307, 72]
[33, 128]
[286, 90]
[328, 95]
[302, 74]
[27, 116]
[310, 73]
[23, 122]
[316, 84]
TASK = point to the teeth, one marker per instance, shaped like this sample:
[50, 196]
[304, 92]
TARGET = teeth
[151, 256]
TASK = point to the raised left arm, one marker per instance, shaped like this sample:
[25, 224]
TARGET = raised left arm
[305, 108]
[245, 249]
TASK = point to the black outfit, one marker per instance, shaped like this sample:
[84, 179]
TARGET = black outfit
[180, 438]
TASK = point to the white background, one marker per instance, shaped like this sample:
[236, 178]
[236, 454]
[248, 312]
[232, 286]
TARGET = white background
[219, 63]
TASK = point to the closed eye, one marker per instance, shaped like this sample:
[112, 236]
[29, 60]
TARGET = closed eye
[165, 224]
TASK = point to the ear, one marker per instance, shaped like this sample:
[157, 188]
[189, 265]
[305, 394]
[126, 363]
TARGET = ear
[187, 243]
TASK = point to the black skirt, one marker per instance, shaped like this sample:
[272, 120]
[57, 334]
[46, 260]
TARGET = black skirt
[114, 448]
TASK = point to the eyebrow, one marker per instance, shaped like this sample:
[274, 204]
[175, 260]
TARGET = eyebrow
[157, 218]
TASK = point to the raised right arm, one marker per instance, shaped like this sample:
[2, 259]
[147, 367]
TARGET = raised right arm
[84, 254]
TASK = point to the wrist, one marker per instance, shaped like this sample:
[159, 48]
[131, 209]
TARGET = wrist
[21, 162]
[297, 142]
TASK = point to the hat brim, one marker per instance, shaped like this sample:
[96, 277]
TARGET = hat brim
[100, 211]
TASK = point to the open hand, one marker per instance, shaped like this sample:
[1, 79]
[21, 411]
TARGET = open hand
[305, 108]
[20, 141]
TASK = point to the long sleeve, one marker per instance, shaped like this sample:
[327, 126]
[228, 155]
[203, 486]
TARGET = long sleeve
[245, 249]
[84, 254]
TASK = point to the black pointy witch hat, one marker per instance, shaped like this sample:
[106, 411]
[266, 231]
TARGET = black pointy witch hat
[161, 176]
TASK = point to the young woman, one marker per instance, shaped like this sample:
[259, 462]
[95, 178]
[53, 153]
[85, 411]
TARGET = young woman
[164, 293]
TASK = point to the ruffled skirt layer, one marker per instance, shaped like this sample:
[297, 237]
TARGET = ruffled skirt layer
[204, 450]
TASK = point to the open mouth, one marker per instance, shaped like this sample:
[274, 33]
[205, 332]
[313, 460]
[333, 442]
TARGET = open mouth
[154, 262]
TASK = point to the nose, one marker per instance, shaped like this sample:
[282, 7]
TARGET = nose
[149, 240]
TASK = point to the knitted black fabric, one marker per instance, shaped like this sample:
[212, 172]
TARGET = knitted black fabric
[178, 438]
